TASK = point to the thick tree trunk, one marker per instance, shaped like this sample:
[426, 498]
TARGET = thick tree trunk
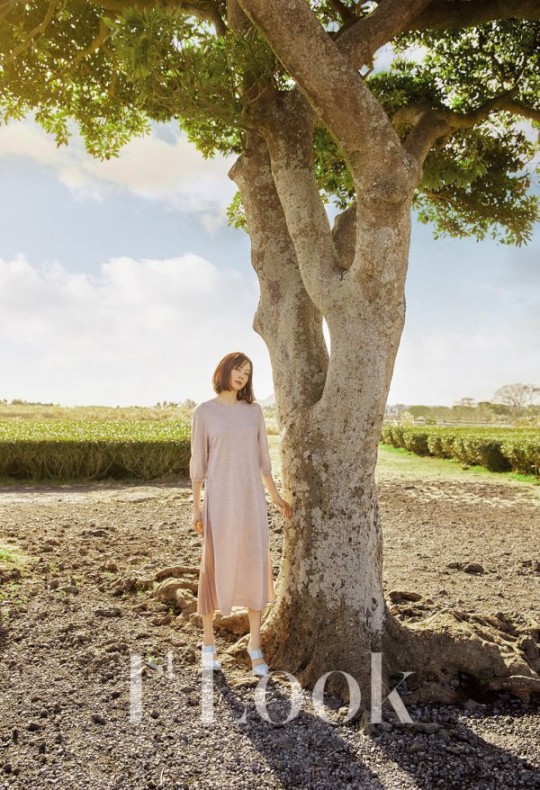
[331, 616]
[331, 611]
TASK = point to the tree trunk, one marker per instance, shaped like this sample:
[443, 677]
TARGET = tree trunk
[331, 616]
[330, 612]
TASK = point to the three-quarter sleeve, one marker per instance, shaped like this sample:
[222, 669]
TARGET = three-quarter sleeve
[265, 462]
[198, 461]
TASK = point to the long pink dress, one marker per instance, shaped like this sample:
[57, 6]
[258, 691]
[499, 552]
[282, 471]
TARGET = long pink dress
[229, 451]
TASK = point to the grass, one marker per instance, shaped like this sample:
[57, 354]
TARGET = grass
[11, 592]
[11, 557]
[396, 462]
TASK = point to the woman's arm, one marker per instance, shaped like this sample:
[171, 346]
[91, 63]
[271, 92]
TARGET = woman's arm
[198, 464]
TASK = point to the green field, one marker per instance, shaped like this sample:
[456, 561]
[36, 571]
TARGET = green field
[144, 449]
[398, 463]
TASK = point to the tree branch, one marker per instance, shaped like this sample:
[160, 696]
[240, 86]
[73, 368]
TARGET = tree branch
[424, 134]
[286, 317]
[429, 124]
[344, 235]
[336, 92]
[444, 15]
[5, 7]
[286, 122]
[33, 33]
[344, 12]
[236, 19]
[206, 12]
[359, 41]
[101, 38]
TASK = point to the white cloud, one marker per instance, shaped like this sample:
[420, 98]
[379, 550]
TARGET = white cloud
[169, 170]
[441, 367]
[142, 331]
[148, 330]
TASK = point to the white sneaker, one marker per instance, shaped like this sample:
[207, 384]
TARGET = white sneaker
[258, 669]
[207, 662]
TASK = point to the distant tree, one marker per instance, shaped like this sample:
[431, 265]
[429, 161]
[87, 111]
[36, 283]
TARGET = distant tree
[468, 403]
[517, 396]
[406, 417]
[419, 411]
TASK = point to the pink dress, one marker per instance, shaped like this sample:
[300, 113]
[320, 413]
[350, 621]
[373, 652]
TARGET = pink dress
[229, 452]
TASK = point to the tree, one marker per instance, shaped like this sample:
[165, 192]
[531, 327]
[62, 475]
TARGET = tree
[419, 411]
[466, 403]
[290, 88]
[517, 396]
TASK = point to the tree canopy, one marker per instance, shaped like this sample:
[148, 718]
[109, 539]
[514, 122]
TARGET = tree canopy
[464, 79]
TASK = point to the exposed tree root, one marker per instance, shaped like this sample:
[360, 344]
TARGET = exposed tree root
[486, 653]
[452, 655]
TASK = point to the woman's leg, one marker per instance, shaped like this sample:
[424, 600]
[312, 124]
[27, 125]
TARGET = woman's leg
[254, 616]
[208, 630]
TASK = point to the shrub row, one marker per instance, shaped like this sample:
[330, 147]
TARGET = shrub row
[93, 460]
[95, 450]
[71, 450]
[498, 449]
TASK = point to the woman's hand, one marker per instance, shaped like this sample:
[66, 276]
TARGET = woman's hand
[196, 520]
[283, 505]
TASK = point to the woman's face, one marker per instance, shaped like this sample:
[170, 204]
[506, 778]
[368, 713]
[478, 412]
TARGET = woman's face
[240, 376]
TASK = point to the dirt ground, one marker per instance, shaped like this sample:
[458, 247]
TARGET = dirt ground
[472, 544]
[84, 599]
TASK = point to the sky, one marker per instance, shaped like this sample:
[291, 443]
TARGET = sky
[122, 284]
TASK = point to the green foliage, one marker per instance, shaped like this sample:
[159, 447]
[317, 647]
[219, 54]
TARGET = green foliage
[475, 181]
[235, 212]
[153, 65]
[474, 185]
[86, 449]
[333, 176]
[114, 73]
[473, 65]
[45, 76]
[497, 449]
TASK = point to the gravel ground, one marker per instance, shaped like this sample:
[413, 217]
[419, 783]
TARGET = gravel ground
[100, 684]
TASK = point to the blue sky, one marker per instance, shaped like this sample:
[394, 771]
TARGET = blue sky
[121, 284]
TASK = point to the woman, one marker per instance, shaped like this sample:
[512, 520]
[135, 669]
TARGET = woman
[229, 453]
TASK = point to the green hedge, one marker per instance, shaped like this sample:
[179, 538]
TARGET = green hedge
[498, 449]
[146, 449]
[94, 450]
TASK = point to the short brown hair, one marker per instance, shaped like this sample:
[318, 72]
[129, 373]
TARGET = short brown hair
[222, 375]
